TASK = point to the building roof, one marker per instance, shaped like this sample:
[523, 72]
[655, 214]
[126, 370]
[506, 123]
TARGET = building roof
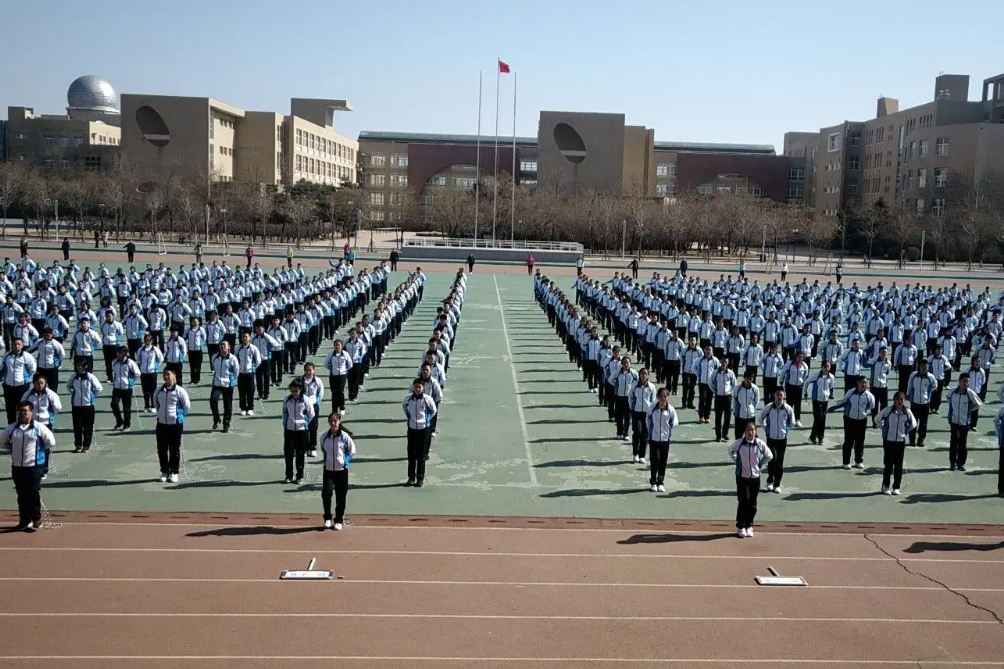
[711, 147]
[92, 93]
[428, 138]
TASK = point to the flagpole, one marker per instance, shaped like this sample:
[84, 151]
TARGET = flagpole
[477, 183]
[512, 206]
[495, 195]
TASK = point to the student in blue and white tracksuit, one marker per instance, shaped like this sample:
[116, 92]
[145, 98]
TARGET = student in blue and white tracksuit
[819, 389]
[337, 449]
[897, 422]
[418, 410]
[17, 368]
[124, 374]
[963, 402]
[313, 390]
[84, 388]
[857, 405]
[29, 442]
[999, 426]
[45, 405]
[149, 358]
[338, 363]
[750, 455]
[171, 404]
[248, 358]
[661, 422]
[745, 399]
[777, 419]
[297, 412]
[225, 368]
[641, 397]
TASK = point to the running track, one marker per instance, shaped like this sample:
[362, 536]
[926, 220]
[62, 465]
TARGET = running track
[189, 590]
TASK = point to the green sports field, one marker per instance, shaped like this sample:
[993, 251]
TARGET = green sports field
[519, 435]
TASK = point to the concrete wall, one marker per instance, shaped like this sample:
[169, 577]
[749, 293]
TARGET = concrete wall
[601, 169]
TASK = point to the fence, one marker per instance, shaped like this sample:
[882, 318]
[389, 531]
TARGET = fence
[494, 245]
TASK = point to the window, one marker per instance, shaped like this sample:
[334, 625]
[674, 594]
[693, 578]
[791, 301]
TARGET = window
[920, 205]
[376, 199]
[212, 128]
[705, 189]
[909, 179]
[852, 187]
[938, 206]
[854, 163]
[796, 174]
[526, 165]
[925, 146]
[913, 149]
[299, 137]
[378, 160]
[299, 163]
[665, 170]
[399, 180]
[922, 178]
[795, 194]
[833, 142]
[376, 180]
[395, 199]
[529, 183]
[399, 160]
[941, 148]
[439, 181]
[940, 177]
[661, 190]
[464, 182]
[376, 215]
[855, 139]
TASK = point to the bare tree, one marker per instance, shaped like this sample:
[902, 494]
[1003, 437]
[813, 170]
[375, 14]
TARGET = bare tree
[870, 225]
[12, 176]
[819, 232]
[299, 210]
[452, 210]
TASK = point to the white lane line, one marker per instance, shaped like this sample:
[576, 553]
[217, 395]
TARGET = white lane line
[508, 584]
[480, 554]
[515, 383]
[472, 616]
[474, 661]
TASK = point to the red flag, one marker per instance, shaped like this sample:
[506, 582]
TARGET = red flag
[503, 67]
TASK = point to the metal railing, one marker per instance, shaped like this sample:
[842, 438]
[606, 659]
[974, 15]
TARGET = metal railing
[500, 244]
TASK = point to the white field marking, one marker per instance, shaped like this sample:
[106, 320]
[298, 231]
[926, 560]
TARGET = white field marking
[515, 383]
[462, 616]
[512, 660]
[508, 584]
[479, 554]
[653, 530]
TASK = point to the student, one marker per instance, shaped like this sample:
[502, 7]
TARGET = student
[313, 390]
[149, 359]
[624, 380]
[338, 363]
[857, 404]
[772, 363]
[792, 378]
[418, 410]
[999, 426]
[45, 405]
[337, 449]
[195, 339]
[660, 423]
[613, 367]
[921, 387]
[672, 355]
[905, 361]
[691, 356]
[84, 388]
[85, 342]
[297, 412]
[752, 357]
[897, 422]
[266, 345]
[852, 363]
[963, 403]
[433, 390]
[723, 383]
[248, 359]
[777, 419]
[641, 397]
[18, 367]
[941, 368]
[819, 389]
[225, 369]
[112, 336]
[175, 351]
[745, 399]
[29, 442]
[977, 383]
[750, 455]
[705, 369]
[124, 375]
[879, 381]
[171, 404]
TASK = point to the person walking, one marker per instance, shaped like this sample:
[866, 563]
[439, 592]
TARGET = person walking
[297, 412]
[65, 246]
[530, 260]
[963, 402]
[661, 421]
[249, 255]
[897, 423]
[172, 404]
[30, 443]
[130, 248]
[784, 272]
[337, 449]
[750, 454]
[394, 258]
[419, 409]
[777, 419]
[470, 262]
[857, 405]
[289, 256]
[84, 389]
[124, 374]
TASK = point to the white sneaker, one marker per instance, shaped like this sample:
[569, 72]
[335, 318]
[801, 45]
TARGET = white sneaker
[341, 412]
[847, 466]
[742, 533]
[163, 478]
[654, 488]
[798, 423]
[642, 461]
[895, 491]
[859, 465]
[338, 526]
[174, 478]
[626, 439]
[634, 458]
[886, 491]
[250, 412]
[749, 532]
[327, 524]
[770, 487]
[662, 488]
[312, 454]
[777, 490]
[244, 413]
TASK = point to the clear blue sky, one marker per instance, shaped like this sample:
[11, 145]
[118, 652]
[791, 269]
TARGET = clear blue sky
[729, 71]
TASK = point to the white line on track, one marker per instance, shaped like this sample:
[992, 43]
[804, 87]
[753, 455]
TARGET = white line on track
[473, 661]
[515, 383]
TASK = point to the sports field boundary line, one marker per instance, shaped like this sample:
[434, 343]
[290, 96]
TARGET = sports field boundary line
[471, 616]
[507, 584]
[516, 388]
[479, 554]
[514, 660]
